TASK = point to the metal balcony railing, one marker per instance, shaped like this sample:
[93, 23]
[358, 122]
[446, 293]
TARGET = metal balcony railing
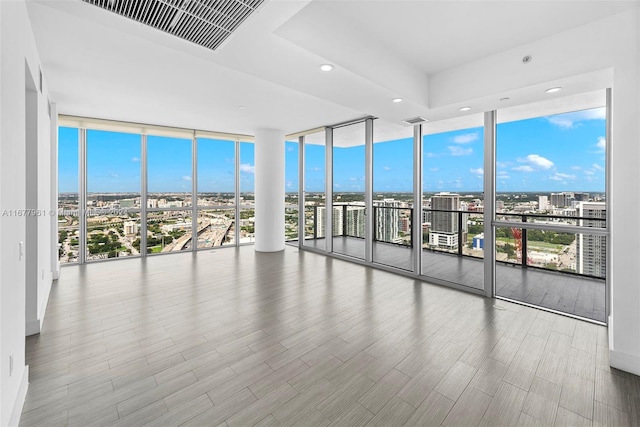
[450, 225]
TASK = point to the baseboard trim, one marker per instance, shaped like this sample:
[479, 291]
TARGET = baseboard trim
[32, 327]
[625, 362]
[20, 398]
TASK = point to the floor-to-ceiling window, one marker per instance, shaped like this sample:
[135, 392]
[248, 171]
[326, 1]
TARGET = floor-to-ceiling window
[123, 184]
[216, 181]
[113, 194]
[393, 163]
[247, 200]
[169, 180]
[314, 190]
[68, 201]
[453, 201]
[291, 187]
[349, 209]
[551, 189]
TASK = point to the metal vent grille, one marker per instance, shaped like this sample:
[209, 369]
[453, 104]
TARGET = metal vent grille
[207, 23]
[415, 120]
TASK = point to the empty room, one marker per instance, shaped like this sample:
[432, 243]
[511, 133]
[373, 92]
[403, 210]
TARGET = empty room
[319, 213]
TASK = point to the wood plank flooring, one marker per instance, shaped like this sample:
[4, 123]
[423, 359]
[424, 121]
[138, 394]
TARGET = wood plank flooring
[236, 338]
[568, 293]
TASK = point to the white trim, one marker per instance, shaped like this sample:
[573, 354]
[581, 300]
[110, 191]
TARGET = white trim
[14, 420]
[624, 361]
[55, 274]
[146, 129]
[32, 327]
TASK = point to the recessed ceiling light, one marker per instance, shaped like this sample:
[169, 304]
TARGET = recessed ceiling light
[326, 67]
[553, 90]
[397, 100]
[465, 108]
[505, 99]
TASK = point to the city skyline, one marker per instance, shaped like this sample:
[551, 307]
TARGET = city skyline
[563, 152]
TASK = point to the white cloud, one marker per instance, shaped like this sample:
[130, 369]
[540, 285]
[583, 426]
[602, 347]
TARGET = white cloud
[562, 122]
[465, 138]
[186, 178]
[135, 159]
[576, 168]
[572, 120]
[459, 151]
[247, 168]
[536, 161]
[589, 172]
[477, 171]
[524, 168]
[503, 175]
[434, 169]
[561, 176]
[597, 167]
[430, 155]
[387, 168]
[601, 144]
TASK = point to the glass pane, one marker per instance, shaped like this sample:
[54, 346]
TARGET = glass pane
[548, 167]
[314, 190]
[112, 235]
[247, 225]
[452, 221]
[169, 172]
[168, 231]
[291, 190]
[247, 173]
[113, 170]
[348, 190]
[216, 172]
[68, 216]
[393, 195]
[216, 227]
[551, 170]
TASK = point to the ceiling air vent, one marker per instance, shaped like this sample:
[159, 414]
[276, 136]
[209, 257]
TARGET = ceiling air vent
[207, 23]
[415, 120]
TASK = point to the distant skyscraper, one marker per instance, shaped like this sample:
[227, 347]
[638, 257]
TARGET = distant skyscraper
[336, 221]
[355, 219]
[561, 200]
[581, 197]
[543, 203]
[444, 225]
[591, 251]
[387, 220]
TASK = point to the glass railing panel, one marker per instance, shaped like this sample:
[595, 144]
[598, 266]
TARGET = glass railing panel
[453, 246]
[393, 242]
[560, 271]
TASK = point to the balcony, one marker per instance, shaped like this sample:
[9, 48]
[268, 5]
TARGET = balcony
[545, 269]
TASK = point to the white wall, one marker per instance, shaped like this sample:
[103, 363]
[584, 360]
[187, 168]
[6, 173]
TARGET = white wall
[17, 53]
[611, 43]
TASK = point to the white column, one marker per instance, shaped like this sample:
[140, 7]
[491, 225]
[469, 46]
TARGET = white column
[269, 190]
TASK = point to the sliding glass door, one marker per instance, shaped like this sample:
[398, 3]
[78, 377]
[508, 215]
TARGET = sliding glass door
[349, 208]
[551, 220]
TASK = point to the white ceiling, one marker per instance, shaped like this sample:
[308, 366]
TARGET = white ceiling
[98, 64]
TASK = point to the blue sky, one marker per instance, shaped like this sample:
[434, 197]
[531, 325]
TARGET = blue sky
[563, 152]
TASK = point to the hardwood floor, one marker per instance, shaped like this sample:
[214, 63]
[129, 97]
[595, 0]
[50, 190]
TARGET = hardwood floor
[237, 338]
